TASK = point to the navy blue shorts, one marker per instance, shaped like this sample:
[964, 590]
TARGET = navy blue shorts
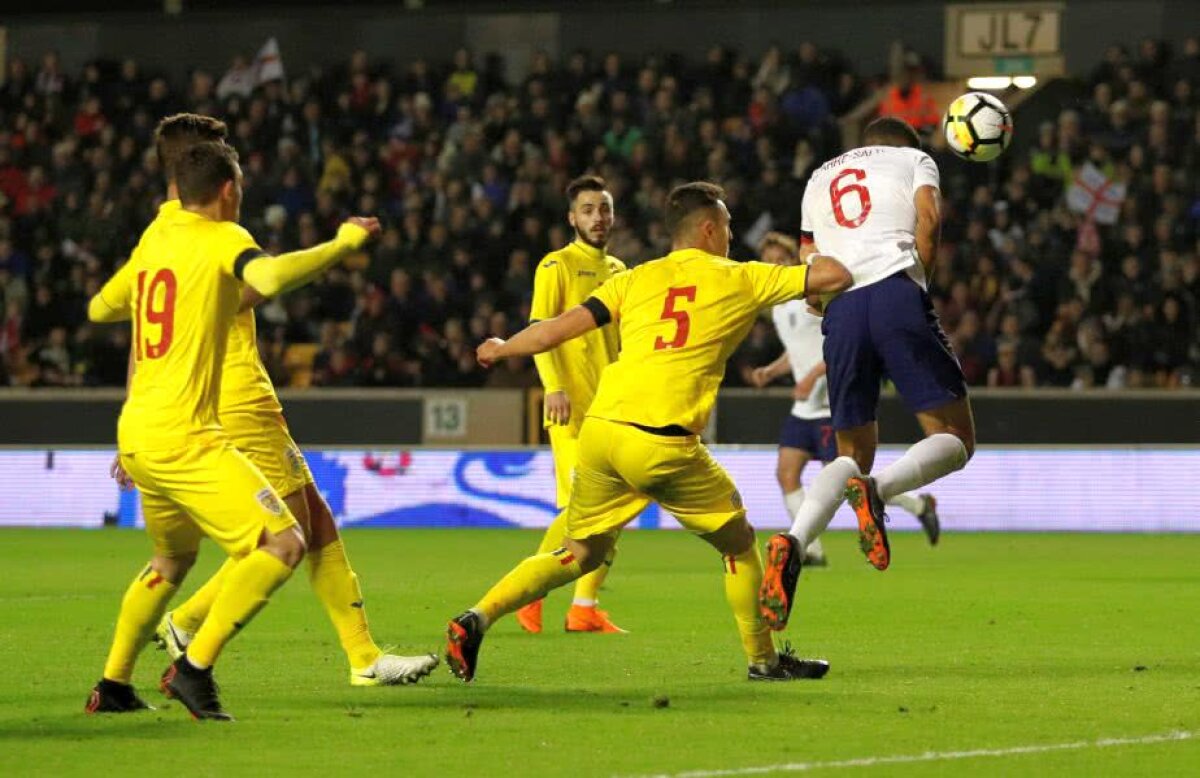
[887, 330]
[812, 435]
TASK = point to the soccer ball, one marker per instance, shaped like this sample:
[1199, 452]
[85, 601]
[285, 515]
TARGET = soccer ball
[978, 127]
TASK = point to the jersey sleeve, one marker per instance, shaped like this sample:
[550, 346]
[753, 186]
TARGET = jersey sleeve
[238, 247]
[926, 173]
[605, 303]
[548, 289]
[806, 219]
[775, 284]
[112, 302]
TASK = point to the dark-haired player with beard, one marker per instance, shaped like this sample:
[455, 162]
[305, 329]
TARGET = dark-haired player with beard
[570, 374]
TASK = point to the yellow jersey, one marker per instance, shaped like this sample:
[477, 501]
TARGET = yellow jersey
[245, 384]
[564, 279]
[182, 294]
[679, 319]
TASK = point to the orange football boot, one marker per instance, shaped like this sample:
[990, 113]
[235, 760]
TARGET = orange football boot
[530, 617]
[868, 507]
[589, 618]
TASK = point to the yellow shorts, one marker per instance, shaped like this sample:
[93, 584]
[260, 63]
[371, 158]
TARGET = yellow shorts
[265, 440]
[621, 466]
[564, 445]
[205, 490]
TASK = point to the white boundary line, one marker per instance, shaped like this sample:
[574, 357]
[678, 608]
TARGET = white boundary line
[932, 756]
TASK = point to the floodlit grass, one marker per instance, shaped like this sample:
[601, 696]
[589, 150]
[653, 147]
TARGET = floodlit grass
[987, 642]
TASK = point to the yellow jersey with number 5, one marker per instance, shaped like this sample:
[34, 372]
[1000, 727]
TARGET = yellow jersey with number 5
[182, 295]
[679, 319]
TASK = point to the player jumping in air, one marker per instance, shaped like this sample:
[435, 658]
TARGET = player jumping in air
[807, 432]
[182, 289]
[570, 374]
[679, 318]
[253, 419]
[877, 210]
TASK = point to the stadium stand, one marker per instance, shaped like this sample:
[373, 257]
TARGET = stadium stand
[467, 171]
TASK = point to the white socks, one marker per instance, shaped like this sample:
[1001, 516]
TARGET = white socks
[930, 459]
[793, 501]
[909, 501]
[822, 501]
[584, 602]
[815, 550]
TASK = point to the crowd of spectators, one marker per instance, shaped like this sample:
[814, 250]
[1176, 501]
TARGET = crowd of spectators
[466, 168]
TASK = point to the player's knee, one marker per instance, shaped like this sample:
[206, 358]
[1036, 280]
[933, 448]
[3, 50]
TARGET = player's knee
[733, 539]
[589, 553]
[173, 567]
[287, 546]
[788, 476]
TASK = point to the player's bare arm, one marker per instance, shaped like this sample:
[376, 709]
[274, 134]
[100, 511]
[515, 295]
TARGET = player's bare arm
[827, 276]
[538, 337]
[928, 202]
[761, 376]
[805, 385]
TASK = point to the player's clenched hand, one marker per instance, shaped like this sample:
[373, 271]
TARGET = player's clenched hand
[119, 475]
[816, 304]
[368, 223]
[558, 407]
[760, 377]
[489, 351]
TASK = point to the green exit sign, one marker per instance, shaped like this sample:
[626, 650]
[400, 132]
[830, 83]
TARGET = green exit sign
[1012, 66]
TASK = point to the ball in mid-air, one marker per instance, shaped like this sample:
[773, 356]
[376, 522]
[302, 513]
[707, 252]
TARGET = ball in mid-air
[978, 127]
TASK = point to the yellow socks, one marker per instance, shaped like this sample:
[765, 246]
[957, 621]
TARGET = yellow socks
[530, 581]
[336, 586]
[587, 588]
[743, 576]
[190, 614]
[247, 588]
[144, 603]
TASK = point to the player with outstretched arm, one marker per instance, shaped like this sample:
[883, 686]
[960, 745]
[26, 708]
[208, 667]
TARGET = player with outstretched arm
[679, 318]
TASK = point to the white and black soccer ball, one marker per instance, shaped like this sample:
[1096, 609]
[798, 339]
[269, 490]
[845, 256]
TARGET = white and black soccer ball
[978, 127]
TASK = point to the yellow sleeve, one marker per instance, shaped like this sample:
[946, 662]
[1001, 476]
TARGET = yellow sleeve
[112, 302]
[548, 294]
[270, 276]
[774, 284]
[611, 296]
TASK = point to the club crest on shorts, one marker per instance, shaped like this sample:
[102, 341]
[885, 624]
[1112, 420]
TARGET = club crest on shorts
[270, 501]
[736, 499]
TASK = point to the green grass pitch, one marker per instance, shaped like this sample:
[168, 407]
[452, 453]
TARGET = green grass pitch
[998, 643]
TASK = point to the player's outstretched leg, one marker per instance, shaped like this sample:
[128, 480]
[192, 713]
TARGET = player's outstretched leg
[743, 580]
[176, 629]
[863, 496]
[247, 590]
[924, 507]
[337, 587]
[821, 501]
[143, 605]
[528, 581]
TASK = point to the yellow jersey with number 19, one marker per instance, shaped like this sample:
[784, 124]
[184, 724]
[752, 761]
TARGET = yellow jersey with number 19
[679, 319]
[182, 294]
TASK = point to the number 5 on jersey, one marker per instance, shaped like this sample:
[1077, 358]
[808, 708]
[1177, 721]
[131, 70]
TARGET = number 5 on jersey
[158, 310]
[683, 323]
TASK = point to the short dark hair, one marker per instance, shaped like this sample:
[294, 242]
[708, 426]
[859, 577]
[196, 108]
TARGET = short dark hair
[203, 169]
[585, 183]
[891, 131]
[179, 132]
[687, 199]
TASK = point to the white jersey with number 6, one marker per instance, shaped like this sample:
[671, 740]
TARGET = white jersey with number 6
[859, 209]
